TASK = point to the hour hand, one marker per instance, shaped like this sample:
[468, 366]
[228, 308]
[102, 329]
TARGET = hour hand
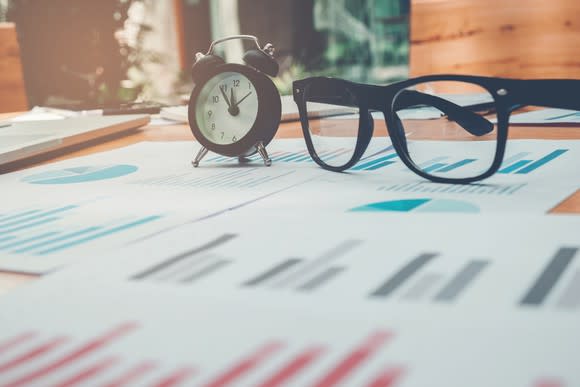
[225, 97]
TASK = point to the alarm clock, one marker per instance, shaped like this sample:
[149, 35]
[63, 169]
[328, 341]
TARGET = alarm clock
[235, 109]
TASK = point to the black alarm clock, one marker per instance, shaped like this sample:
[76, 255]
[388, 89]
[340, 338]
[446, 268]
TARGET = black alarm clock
[235, 109]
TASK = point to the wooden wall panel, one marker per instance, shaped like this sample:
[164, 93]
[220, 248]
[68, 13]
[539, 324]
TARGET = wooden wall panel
[12, 90]
[509, 38]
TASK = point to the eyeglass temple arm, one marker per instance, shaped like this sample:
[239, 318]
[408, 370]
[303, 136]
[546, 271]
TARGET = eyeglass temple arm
[471, 122]
[552, 93]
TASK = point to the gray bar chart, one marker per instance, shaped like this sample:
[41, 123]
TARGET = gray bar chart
[461, 280]
[570, 298]
[549, 276]
[302, 274]
[422, 287]
[401, 276]
[319, 263]
[173, 268]
[273, 272]
[321, 279]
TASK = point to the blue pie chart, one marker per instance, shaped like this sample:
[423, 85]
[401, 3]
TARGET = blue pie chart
[81, 174]
[419, 205]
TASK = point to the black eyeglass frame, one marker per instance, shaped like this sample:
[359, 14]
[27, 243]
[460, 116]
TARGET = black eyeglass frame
[508, 95]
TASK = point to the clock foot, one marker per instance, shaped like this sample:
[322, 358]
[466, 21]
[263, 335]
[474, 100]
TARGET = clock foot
[200, 155]
[262, 151]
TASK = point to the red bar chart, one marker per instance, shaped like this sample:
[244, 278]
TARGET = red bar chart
[103, 359]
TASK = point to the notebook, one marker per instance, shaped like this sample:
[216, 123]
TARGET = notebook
[20, 140]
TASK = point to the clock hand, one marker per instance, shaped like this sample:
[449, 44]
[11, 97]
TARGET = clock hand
[225, 97]
[243, 98]
[233, 110]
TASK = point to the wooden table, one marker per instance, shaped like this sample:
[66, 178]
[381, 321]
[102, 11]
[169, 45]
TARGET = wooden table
[9, 281]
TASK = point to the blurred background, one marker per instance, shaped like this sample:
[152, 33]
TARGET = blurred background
[86, 53]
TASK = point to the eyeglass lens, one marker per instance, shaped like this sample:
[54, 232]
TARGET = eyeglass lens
[444, 139]
[333, 121]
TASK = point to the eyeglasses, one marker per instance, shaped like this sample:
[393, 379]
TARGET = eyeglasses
[440, 126]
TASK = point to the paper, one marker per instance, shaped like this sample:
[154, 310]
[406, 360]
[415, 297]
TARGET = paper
[366, 301]
[546, 117]
[53, 215]
[156, 179]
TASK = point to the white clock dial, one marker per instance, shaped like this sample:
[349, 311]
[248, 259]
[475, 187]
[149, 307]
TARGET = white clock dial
[226, 108]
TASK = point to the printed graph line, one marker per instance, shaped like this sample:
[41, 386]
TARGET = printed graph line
[402, 275]
[333, 254]
[549, 277]
[461, 280]
[208, 246]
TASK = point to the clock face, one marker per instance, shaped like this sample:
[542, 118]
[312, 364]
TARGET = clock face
[226, 108]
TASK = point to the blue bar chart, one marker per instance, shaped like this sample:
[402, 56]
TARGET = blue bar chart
[520, 164]
[437, 166]
[373, 162]
[48, 231]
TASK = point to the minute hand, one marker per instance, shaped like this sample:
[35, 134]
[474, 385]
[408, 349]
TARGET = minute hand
[243, 98]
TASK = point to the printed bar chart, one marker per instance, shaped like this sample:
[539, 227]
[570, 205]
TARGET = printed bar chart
[301, 274]
[460, 281]
[401, 276]
[475, 189]
[189, 265]
[370, 163]
[518, 165]
[423, 287]
[549, 277]
[42, 232]
[69, 358]
[239, 178]
[34, 358]
[444, 167]
[570, 298]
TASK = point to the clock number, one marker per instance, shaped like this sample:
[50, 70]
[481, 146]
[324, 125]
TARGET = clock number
[209, 113]
[234, 139]
[223, 135]
[224, 87]
[215, 98]
[213, 126]
[236, 82]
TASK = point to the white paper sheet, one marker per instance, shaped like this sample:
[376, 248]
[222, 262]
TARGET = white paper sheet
[546, 117]
[115, 189]
[477, 325]
[156, 179]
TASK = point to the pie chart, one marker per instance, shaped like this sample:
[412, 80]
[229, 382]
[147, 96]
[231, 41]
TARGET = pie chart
[419, 205]
[81, 174]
